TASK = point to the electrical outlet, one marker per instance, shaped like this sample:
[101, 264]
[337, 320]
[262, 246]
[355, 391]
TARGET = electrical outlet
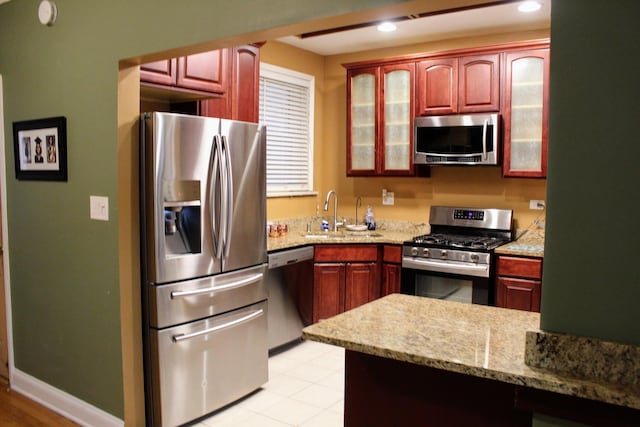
[536, 204]
[387, 197]
[99, 208]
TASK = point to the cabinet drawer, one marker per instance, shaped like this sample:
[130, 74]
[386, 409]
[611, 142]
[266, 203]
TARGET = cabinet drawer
[392, 253]
[339, 253]
[519, 267]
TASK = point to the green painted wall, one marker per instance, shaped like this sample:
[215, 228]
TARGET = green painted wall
[64, 266]
[591, 287]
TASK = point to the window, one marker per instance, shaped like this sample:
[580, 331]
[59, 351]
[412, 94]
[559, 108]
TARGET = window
[286, 108]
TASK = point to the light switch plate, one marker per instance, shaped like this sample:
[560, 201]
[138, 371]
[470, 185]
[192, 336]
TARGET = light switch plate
[99, 208]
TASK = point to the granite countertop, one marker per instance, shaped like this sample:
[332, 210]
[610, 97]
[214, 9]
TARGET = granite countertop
[527, 243]
[390, 232]
[481, 341]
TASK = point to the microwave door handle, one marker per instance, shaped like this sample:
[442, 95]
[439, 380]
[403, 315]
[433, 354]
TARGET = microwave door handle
[484, 139]
[228, 202]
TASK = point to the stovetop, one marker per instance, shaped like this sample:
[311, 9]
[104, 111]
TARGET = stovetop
[458, 241]
[465, 229]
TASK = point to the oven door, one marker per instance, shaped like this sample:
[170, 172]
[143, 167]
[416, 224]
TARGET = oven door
[454, 281]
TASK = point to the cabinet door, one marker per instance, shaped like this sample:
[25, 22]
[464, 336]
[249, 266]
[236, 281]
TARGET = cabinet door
[479, 83]
[520, 294]
[437, 91]
[526, 113]
[159, 72]
[362, 94]
[207, 72]
[397, 119]
[246, 83]
[361, 284]
[391, 278]
[328, 290]
[241, 100]
[530, 268]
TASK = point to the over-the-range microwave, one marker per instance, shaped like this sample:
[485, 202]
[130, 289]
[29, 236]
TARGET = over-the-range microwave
[470, 139]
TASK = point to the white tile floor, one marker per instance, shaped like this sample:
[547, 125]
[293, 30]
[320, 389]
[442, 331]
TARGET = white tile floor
[305, 389]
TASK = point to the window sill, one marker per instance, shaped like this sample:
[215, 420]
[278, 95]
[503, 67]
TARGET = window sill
[292, 194]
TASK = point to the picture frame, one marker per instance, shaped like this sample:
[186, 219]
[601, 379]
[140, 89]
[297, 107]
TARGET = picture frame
[40, 149]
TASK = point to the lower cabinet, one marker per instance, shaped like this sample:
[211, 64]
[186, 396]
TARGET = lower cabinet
[519, 283]
[391, 269]
[344, 277]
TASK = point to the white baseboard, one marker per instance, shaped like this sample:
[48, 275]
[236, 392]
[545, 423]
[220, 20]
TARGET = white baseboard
[61, 402]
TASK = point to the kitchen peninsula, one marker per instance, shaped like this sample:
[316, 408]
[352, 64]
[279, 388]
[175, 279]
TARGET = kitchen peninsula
[419, 361]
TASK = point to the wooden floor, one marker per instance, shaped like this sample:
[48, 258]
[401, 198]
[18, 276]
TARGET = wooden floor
[17, 411]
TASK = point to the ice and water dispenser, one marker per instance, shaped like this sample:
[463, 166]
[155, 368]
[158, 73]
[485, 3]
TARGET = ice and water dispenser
[182, 217]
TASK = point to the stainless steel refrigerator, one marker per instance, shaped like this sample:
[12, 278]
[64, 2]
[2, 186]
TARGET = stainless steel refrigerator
[203, 241]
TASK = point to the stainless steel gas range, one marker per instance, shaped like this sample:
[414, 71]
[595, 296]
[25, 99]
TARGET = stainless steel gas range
[456, 260]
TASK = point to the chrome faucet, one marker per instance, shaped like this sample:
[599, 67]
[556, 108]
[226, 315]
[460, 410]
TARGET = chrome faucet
[335, 208]
[358, 203]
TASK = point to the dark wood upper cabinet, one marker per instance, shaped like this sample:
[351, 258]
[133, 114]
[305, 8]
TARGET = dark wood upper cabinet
[437, 91]
[241, 102]
[479, 83]
[159, 72]
[525, 113]
[466, 84]
[245, 91]
[206, 72]
[380, 119]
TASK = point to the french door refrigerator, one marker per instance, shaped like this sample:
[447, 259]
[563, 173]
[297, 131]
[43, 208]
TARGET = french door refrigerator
[203, 244]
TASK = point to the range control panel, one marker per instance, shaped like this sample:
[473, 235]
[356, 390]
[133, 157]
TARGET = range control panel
[468, 214]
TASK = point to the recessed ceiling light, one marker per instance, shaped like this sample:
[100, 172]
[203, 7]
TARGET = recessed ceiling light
[386, 27]
[529, 6]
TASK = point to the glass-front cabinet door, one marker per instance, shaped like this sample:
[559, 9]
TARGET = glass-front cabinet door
[361, 156]
[526, 114]
[397, 119]
[380, 120]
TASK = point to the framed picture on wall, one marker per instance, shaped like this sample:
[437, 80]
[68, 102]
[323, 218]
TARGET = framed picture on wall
[40, 149]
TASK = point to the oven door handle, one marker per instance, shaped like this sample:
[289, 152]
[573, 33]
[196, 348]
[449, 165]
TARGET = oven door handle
[461, 268]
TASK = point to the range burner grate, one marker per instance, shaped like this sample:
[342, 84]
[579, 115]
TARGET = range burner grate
[458, 241]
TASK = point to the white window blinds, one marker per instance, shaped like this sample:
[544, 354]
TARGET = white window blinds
[286, 108]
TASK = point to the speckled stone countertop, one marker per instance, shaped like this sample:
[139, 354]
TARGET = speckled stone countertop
[486, 342]
[390, 232]
[527, 243]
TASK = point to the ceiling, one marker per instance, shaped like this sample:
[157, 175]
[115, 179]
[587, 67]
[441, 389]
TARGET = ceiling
[481, 21]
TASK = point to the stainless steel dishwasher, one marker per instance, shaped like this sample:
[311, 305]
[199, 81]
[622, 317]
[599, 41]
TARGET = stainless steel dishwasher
[289, 282]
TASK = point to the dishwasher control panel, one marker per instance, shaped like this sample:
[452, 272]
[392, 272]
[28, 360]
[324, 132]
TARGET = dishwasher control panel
[290, 256]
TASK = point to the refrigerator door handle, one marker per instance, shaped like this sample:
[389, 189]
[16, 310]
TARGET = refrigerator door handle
[248, 317]
[235, 284]
[228, 202]
[216, 170]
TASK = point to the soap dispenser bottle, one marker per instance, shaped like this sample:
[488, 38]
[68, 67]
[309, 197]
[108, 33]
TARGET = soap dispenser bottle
[368, 219]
